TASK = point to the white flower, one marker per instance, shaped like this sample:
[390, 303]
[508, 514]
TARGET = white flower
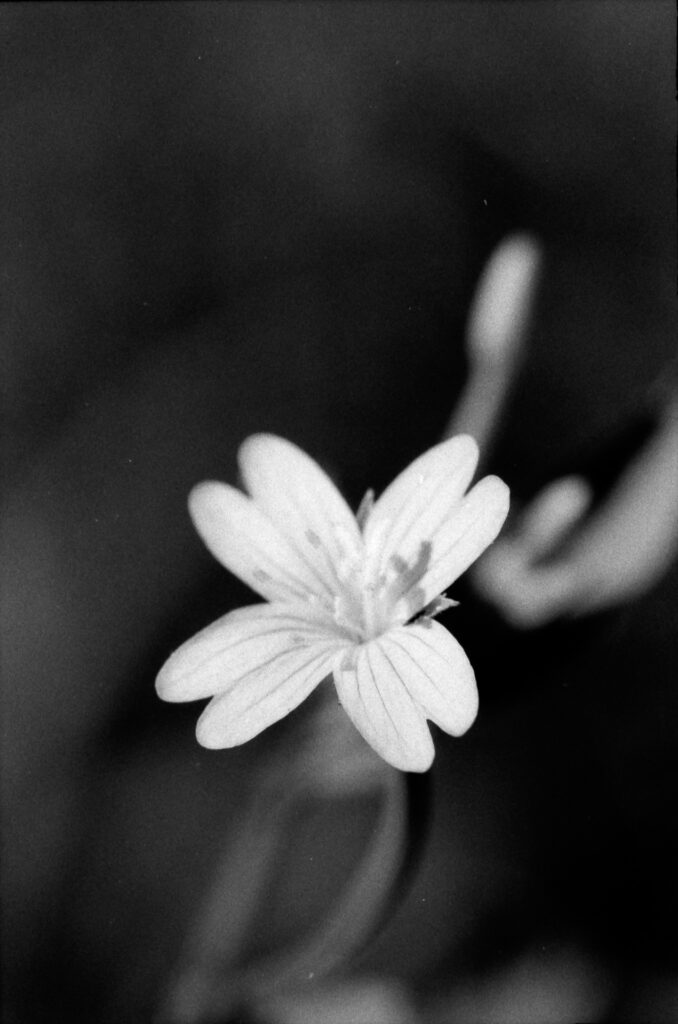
[344, 594]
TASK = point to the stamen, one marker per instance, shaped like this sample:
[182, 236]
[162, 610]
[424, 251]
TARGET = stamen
[346, 615]
[401, 582]
[348, 661]
[438, 605]
[348, 547]
[364, 509]
[407, 576]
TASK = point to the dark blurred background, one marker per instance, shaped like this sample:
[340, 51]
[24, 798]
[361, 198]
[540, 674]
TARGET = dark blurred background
[221, 218]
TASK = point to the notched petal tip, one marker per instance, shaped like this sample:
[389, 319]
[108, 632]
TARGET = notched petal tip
[420, 762]
[166, 687]
[263, 444]
[202, 499]
[466, 712]
[176, 684]
[375, 697]
[497, 493]
[264, 457]
[490, 501]
[466, 445]
[208, 736]
[436, 672]
[405, 759]
[457, 453]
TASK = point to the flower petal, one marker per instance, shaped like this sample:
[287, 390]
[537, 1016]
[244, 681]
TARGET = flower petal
[449, 537]
[377, 700]
[436, 672]
[440, 476]
[241, 642]
[244, 540]
[265, 694]
[306, 507]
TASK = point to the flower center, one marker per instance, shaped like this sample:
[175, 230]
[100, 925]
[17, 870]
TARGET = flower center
[366, 607]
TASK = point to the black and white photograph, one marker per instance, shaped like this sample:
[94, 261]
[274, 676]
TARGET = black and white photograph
[339, 512]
